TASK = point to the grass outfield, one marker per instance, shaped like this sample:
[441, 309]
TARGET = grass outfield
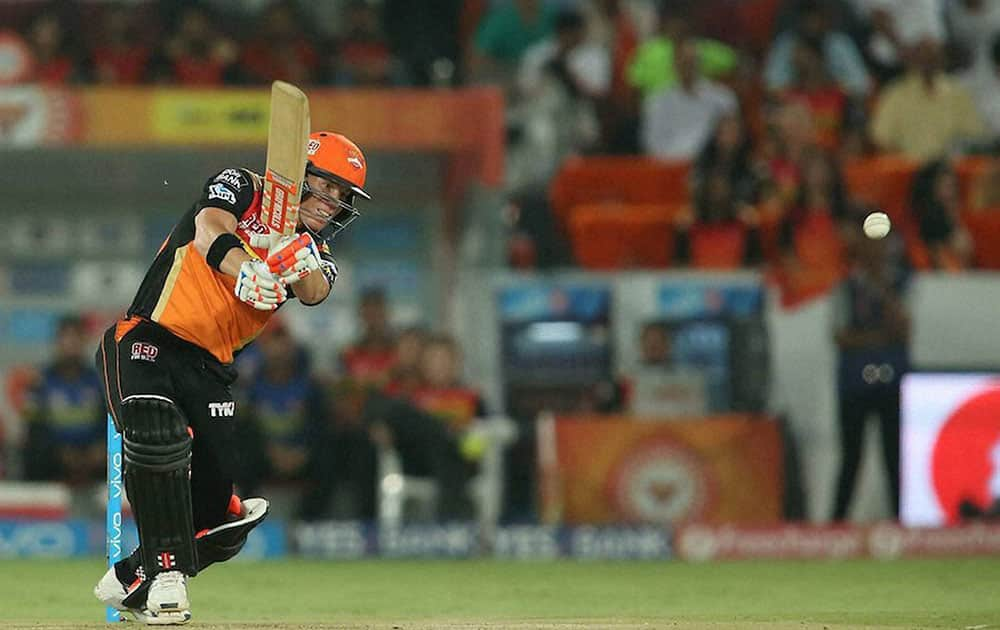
[418, 595]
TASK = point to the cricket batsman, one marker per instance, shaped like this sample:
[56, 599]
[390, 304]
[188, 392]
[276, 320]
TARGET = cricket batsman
[167, 368]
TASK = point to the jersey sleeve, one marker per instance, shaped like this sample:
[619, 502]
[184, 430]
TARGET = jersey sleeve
[231, 190]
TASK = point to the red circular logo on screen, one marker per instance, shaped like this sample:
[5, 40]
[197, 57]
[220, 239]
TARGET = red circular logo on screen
[966, 461]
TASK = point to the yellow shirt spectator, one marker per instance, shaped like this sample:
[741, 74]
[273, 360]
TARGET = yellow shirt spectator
[924, 121]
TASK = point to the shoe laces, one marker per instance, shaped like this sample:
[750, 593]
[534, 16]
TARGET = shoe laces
[171, 579]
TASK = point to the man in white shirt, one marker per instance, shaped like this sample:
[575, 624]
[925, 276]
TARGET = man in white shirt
[898, 25]
[678, 121]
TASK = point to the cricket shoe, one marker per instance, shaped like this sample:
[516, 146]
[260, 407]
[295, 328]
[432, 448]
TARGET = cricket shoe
[168, 593]
[112, 592]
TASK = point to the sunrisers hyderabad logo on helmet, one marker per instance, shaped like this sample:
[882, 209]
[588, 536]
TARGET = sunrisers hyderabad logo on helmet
[354, 159]
[660, 482]
[312, 147]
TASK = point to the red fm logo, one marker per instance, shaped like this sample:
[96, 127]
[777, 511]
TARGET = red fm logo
[142, 351]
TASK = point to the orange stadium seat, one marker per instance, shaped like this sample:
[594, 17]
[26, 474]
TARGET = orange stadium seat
[984, 227]
[884, 182]
[718, 246]
[639, 180]
[615, 236]
[975, 174]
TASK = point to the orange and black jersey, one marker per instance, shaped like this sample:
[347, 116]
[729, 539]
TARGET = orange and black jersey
[190, 299]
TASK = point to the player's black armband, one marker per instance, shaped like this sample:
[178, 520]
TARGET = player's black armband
[220, 247]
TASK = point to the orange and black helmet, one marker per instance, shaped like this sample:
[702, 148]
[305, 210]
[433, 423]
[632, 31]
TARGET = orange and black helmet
[336, 159]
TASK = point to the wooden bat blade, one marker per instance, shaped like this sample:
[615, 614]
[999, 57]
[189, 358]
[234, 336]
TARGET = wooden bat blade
[287, 137]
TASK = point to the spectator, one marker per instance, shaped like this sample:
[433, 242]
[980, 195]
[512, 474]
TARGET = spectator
[872, 335]
[659, 388]
[65, 414]
[371, 359]
[425, 446]
[836, 53]
[811, 85]
[984, 84]
[792, 137]
[284, 412]
[442, 392]
[926, 113]
[507, 30]
[618, 113]
[56, 59]
[729, 151]
[406, 377]
[18, 66]
[362, 56]
[343, 476]
[560, 80]
[677, 122]
[896, 26]
[936, 203]
[581, 67]
[723, 235]
[281, 49]
[196, 53]
[812, 237]
[654, 69]
[119, 57]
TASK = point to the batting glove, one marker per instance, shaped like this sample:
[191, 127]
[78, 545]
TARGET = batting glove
[294, 257]
[258, 287]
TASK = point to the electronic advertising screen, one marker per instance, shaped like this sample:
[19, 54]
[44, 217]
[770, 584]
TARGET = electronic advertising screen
[950, 448]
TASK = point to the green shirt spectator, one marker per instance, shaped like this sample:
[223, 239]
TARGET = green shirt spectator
[509, 28]
[652, 68]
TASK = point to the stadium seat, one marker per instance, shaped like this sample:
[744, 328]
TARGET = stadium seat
[984, 227]
[976, 177]
[720, 246]
[591, 180]
[615, 236]
[883, 182]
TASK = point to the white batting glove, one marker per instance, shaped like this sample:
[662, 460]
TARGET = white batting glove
[258, 287]
[293, 258]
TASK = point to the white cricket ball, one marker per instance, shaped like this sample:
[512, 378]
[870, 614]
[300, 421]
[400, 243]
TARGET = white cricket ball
[877, 225]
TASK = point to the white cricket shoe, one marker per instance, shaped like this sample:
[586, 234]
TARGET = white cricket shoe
[112, 593]
[168, 593]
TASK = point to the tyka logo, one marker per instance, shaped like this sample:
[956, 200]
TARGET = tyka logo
[222, 409]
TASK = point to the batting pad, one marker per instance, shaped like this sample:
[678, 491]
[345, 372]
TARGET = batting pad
[157, 453]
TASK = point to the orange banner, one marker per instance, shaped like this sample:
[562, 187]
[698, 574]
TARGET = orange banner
[721, 469]
[467, 124]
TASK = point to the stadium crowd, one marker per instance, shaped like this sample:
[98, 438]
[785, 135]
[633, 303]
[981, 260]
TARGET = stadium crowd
[769, 115]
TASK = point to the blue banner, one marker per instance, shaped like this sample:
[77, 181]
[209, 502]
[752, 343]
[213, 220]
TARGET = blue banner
[542, 302]
[346, 540]
[688, 299]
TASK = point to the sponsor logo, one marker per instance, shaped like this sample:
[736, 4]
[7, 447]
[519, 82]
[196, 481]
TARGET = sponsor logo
[250, 224]
[313, 147]
[142, 351]
[219, 191]
[354, 161]
[166, 560]
[233, 177]
[700, 543]
[222, 409]
[660, 482]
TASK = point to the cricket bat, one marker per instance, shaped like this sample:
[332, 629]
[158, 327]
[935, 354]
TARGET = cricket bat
[287, 137]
